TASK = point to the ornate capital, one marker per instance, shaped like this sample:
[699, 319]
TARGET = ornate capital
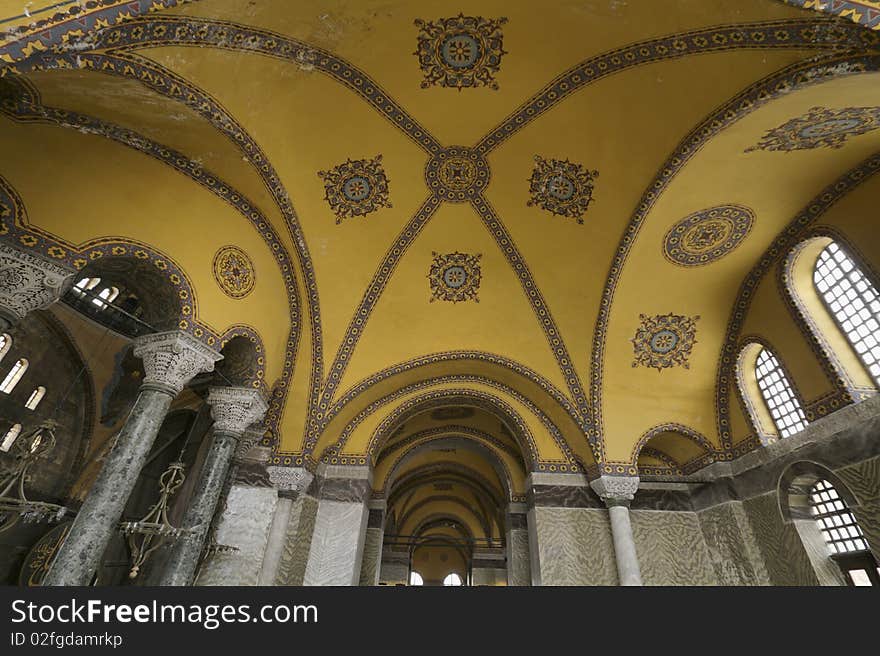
[28, 283]
[172, 359]
[289, 478]
[236, 408]
[616, 490]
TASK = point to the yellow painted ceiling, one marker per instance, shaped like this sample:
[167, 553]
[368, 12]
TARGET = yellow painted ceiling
[365, 336]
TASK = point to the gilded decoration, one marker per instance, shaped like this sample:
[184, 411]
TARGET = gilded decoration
[356, 188]
[664, 340]
[457, 174]
[708, 235]
[455, 277]
[561, 187]
[234, 272]
[820, 127]
[459, 52]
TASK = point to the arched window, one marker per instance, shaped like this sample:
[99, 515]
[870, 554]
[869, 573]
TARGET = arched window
[10, 436]
[416, 579]
[784, 407]
[107, 294]
[14, 376]
[853, 301]
[5, 345]
[84, 285]
[843, 534]
[452, 579]
[35, 398]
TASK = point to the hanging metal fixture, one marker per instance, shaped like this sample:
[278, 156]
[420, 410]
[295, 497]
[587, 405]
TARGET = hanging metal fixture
[25, 451]
[154, 530]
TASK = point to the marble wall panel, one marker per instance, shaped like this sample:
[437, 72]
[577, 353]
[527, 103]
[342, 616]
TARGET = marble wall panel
[337, 544]
[571, 546]
[671, 548]
[732, 546]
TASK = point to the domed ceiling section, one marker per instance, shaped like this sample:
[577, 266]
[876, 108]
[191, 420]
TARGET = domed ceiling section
[547, 209]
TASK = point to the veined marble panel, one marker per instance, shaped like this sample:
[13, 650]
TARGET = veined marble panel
[784, 555]
[244, 524]
[863, 480]
[671, 548]
[571, 546]
[295, 554]
[372, 556]
[732, 546]
[518, 565]
[337, 544]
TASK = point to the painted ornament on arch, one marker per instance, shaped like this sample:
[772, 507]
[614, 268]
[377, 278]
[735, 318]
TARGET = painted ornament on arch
[356, 188]
[561, 187]
[664, 340]
[460, 52]
[234, 272]
[455, 277]
[820, 127]
[708, 235]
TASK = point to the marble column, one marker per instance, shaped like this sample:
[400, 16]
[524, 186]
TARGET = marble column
[518, 565]
[291, 483]
[287, 553]
[242, 523]
[233, 410]
[372, 563]
[336, 551]
[171, 360]
[617, 492]
[27, 283]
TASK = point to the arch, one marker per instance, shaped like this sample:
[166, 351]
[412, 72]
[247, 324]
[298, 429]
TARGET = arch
[822, 509]
[677, 444]
[845, 369]
[142, 298]
[15, 374]
[460, 397]
[475, 439]
[753, 397]
[243, 363]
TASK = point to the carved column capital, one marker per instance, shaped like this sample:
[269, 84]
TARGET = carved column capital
[616, 490]
[27, 283]
[289, 479]
[236, 408]
[172, 359]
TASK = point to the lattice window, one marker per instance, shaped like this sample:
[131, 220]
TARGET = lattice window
[14, 376]
[784, 407]
[853, 301]
[837, 523]
[35, 398]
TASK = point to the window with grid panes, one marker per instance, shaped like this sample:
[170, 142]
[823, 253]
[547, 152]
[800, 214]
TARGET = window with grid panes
[853, 301]
[837, 523]
[787, 413]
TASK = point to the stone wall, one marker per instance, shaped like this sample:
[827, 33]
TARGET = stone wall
[571, 546]
[671, 548]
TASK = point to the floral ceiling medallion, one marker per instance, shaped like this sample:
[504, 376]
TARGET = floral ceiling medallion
[708, 235]
[455, 277]
[664, 340]
[234, 271]
[356, 188]
[459, 52]
[561, 187]
[820, 127]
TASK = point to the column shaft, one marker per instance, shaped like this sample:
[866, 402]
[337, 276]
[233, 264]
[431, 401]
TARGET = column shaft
[80, 555]
[624, 546]
[181, 565]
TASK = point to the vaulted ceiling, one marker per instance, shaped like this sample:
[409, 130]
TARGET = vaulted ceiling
[544, 211]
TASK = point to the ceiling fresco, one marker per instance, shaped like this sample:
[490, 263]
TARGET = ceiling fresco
[470, 241]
